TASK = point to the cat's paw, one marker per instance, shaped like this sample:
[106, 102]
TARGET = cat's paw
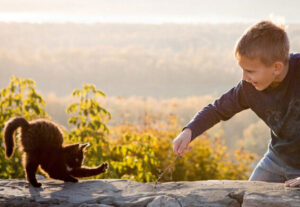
[36, 185]
[104, 166]
[73, 180]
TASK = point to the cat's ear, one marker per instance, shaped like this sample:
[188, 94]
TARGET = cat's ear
[71, 147]
[83, 146]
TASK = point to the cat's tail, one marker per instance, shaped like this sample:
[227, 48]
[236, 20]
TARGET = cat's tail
[8, 132]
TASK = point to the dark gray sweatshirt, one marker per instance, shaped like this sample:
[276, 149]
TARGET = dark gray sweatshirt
[278, 107]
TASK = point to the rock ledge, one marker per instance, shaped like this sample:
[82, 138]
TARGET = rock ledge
[116, 192]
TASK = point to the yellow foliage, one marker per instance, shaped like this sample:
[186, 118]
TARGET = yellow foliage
[142, 153]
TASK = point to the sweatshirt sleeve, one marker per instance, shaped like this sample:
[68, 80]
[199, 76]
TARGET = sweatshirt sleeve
[225, 107]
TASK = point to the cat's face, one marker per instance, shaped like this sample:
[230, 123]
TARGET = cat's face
[73, 155]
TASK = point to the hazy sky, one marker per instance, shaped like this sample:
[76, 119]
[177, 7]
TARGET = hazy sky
[147, 11]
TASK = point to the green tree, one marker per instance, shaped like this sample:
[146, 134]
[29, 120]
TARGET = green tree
[19, 98]
[88, 120]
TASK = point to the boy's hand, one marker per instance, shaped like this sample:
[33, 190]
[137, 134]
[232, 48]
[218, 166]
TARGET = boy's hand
[180, 143]
[293, 182]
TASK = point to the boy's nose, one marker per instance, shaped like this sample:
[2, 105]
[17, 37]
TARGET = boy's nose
[245, 78]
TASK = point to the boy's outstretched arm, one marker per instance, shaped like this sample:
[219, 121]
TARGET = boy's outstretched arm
[180, 143]
[223, 108]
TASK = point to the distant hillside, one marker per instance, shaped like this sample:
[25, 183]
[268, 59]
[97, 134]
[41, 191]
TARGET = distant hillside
[163, 61]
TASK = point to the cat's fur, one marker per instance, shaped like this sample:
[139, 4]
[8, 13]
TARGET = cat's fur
[41, 141]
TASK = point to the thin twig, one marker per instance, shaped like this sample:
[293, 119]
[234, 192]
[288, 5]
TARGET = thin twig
[169, 166]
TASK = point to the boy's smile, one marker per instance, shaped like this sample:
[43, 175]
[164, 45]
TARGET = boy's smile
[260, 75]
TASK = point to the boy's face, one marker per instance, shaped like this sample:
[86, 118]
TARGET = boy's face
[256, 73]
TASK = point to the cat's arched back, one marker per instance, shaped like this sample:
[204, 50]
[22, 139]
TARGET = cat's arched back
[41, 134]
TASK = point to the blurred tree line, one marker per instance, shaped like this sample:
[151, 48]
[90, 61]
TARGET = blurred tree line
[122, 59]
[134, 151]
[168, 60]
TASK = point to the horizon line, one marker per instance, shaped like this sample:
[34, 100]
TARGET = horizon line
[60, 18]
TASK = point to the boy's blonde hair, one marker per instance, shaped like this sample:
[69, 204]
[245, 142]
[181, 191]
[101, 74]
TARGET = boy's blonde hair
[265, 41]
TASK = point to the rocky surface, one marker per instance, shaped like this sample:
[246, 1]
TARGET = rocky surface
[108, 193]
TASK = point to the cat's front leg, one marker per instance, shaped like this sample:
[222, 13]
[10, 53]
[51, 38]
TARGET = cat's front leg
[65, 177]
[87, 172]
[69, 178]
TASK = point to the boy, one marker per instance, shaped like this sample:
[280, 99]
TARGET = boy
[270, 88]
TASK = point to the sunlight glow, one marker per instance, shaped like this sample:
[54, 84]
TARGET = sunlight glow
[36, 17]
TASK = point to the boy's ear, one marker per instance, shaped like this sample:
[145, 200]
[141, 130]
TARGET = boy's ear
[278, 67]
[82, 146]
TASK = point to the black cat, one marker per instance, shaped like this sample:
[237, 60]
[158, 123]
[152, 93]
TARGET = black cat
[41, 142]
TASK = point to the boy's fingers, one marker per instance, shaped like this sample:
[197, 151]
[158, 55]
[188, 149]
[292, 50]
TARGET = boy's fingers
[190, 148]
[182, 146]
[292, 182]
[295, 183]
[187, 149]
[176, 145]
[289, 181]
[177, 148]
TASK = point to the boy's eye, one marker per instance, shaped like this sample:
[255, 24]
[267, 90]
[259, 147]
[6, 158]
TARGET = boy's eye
[249, 71]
